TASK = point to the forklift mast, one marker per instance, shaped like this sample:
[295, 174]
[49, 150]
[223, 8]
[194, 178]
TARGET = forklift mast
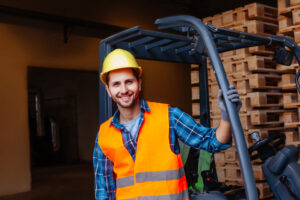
[192, 44]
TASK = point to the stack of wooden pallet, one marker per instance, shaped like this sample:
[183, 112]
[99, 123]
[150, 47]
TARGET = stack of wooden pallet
[254, 74]
[289, 26]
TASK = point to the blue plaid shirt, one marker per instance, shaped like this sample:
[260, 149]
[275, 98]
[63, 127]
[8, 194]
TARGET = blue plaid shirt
[182, 126]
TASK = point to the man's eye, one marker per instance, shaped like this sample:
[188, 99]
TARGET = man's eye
[116, 84]
[129, 81]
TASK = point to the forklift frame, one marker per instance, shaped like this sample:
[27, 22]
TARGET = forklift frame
[191, 44]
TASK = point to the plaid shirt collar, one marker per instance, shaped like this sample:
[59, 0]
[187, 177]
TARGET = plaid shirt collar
[115, 121]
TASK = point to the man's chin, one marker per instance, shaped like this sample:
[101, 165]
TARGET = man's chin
[126, 105]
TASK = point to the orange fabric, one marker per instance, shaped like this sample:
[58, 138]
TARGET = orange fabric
[153, 154]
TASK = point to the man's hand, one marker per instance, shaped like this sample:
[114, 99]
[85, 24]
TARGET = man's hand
[233, 96]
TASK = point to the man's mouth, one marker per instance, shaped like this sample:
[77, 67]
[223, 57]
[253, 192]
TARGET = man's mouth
[125, 98]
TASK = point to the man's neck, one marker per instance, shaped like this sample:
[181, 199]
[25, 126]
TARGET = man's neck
[128, 114]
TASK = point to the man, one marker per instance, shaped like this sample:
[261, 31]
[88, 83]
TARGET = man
[136, 153]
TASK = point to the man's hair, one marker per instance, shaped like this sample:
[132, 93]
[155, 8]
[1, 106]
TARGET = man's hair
[135, 73]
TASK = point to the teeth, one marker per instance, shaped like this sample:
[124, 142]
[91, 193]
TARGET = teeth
[125, 98]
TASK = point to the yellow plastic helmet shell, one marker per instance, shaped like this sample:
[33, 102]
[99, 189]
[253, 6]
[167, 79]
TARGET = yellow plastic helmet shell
[118, 59]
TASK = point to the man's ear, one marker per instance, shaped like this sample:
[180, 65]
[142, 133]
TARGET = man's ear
[108, 91]
[140, 84]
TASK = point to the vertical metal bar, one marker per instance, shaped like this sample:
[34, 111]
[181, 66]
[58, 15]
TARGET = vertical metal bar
[204, 157]
[204, 95]
[192, 164]
[105, 102]
[246, 167]
[240, 142]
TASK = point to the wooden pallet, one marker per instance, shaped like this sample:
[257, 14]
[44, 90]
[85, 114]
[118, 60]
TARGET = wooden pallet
[195, 93]
[296, 17]
[253, 101]
[262, 12]
[196, 109]
[239, 54]
[288, 82]
[260, 64]
[194, 77]
[291, 119]
[291, 100]
[285, 24]
[260, 119]
[289, 31]
[241, 15]
[289, 23]
[259, 100]
[233, 173]
[229, 173]
[227, 157]
[213, 89]
[255, 120]
[286, 6]
[257, 27]
[213, 107]
[264, 81]
[267, 117]
[253, 83]
[239, 65]
[234, 55]
[297, 36]
[244, 67]
[292, 137]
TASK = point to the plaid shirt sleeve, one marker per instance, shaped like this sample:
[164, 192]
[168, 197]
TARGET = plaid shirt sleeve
[104, 177]
[184, 127]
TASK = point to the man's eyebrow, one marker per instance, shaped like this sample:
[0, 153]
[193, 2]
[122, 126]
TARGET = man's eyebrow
[112, 82]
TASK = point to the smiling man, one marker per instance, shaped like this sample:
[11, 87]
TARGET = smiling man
[136, 154]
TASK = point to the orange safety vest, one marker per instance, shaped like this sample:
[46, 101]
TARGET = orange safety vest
[157, 172]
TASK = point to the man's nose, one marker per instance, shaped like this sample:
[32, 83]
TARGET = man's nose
[124, 88]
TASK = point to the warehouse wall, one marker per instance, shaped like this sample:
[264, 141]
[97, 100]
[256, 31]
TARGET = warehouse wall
[24, 46]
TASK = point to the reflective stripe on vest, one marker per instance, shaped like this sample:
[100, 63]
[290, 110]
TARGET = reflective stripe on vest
[157, 173]
[151, 176]
[160, 176]
[178, 196]
[125, 182]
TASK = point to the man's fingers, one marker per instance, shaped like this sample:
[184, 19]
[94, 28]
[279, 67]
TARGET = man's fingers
[232, 91]
[235, 100]
[233, 96]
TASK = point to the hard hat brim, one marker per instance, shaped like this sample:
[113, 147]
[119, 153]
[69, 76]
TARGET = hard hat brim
[103, 74]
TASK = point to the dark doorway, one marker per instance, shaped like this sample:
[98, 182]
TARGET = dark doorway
[61, 119]
[63, 115]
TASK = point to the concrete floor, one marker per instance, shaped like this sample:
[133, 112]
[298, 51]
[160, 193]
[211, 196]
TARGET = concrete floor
[75, 182]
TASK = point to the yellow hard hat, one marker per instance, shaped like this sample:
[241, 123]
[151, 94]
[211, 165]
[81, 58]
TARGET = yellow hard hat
[118, 59]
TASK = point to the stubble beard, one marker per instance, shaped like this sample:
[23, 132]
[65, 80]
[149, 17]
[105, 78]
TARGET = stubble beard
[130, 105]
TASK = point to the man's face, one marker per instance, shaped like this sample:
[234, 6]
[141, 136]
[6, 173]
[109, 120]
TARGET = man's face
[123, 87]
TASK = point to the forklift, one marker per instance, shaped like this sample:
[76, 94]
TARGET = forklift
[187, 40]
